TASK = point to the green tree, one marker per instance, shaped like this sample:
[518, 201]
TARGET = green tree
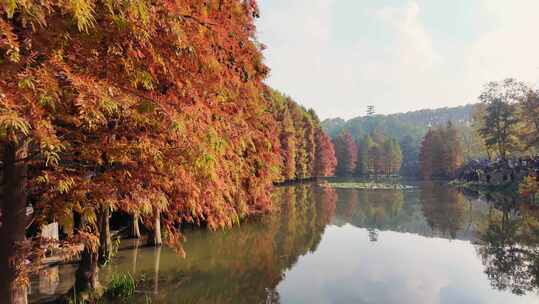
[363, 168]
[377, 159]
[500, 121]
[410, 156]
[529, 116]
[394, 156]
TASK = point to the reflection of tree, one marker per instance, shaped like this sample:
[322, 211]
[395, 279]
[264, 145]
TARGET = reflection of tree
[443, 207]
[374, 210]
[245, 264]
[508, 246]
[434, 209]
[373, 235]
[349, 199]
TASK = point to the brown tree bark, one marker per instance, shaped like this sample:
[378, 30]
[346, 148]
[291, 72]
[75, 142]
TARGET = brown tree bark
[13, 220]
[86, 278]
[105, 240]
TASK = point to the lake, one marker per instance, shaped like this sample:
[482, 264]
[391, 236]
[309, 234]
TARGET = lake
[432, 244]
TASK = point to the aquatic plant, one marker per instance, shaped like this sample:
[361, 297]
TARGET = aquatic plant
[121, 286]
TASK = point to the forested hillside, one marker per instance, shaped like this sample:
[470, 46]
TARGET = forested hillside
[400, 125]
[406, 130]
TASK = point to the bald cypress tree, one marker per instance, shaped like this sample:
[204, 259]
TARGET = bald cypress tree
[346, 151]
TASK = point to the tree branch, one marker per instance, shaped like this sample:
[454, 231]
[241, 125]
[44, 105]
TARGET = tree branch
[205, 24]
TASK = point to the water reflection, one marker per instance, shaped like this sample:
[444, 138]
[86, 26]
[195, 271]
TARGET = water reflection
[508, 246]
[444, 208]
[431, 245]
[243, 265]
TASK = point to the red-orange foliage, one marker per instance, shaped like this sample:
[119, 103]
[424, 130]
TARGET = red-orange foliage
[150, 108]
[325, 161]
[305, 150]
[346, 151]
[139, 107]
[440, 154]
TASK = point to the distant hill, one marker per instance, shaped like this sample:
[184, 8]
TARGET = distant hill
[400, 125]
[407, 128]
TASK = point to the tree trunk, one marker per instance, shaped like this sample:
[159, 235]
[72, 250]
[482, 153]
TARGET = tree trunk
[105, 241]
[155, 236]
[135, 226]
[87, 284]
[13, 221]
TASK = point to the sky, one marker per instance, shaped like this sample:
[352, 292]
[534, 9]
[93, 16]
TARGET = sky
[338, 56]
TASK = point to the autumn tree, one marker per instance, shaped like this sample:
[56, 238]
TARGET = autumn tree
[346, 151]
[452, 149]
[325, 161]
[153, 109]
[311, 124]
[305, 150]
[280, 107]
[132, 106]
[441, 153]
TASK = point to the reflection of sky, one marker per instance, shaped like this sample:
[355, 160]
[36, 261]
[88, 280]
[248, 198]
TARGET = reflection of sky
[399, 268]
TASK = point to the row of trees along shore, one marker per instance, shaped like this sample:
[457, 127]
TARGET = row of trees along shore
[374, 154]
[505, 125]
[153, 110]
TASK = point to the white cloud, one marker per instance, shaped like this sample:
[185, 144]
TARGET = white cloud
[511, 48]
[414, 43]
[399, 67]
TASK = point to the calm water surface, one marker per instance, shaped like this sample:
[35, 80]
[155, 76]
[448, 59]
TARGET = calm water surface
[429, 245]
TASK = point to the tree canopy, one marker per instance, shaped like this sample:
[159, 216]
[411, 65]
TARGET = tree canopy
[141, 107]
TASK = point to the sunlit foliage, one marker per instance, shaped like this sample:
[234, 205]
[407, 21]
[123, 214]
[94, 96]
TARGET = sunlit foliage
[150, 108]
[306, 150]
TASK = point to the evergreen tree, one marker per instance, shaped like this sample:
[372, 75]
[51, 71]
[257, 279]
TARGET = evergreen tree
[410, 156]
[425, 155]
